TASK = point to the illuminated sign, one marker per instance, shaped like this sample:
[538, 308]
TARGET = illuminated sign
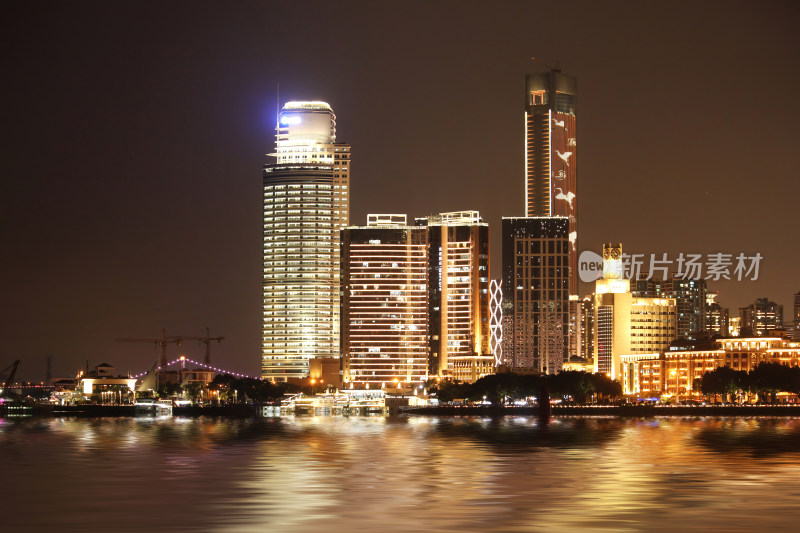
[287, 120]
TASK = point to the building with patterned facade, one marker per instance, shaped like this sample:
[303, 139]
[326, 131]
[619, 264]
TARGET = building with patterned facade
[535, 293]
[551, 168]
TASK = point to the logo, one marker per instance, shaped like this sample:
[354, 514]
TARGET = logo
[590, 266]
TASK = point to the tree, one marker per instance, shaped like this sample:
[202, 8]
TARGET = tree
[574, 384]
[722, 380]
[768, 379]
[606, 387]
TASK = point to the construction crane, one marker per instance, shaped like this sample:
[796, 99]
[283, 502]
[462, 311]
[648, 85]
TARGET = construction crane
[13, 372]
[163, 341]
[207, 341]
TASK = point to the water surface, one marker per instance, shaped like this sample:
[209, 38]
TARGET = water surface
[401, 474]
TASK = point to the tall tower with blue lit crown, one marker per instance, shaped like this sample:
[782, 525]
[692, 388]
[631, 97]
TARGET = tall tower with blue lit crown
[306, 204]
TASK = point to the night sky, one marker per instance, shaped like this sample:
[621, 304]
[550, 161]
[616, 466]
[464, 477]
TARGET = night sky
[134, 136]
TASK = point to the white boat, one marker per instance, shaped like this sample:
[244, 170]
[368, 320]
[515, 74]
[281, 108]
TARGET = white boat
[153, 407]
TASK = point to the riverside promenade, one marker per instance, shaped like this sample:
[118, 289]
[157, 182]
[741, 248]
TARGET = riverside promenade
[612, 410]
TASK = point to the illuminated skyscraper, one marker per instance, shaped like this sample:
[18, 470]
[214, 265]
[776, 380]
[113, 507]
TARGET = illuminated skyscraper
[384, 303]
[458, 295]
[690, 298]
[551, 154]
[551, 160]
[416, 294]
[624, 323]
[306, 203]
[535, 293]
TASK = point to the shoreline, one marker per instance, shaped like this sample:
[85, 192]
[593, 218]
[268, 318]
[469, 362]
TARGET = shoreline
[254, 411]
[635, 411]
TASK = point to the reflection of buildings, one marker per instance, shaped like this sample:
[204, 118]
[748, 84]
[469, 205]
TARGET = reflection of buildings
[624, 323]
[760, 317]
[673, 371]
[458, 295]
[305, 205]
[690, 301]
[535, 293]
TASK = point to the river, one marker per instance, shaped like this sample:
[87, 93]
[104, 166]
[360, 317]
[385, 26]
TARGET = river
[400, 474]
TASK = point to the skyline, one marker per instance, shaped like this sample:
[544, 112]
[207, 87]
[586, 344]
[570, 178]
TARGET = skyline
[136, 202]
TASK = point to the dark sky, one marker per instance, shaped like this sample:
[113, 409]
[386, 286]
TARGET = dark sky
[134, 134]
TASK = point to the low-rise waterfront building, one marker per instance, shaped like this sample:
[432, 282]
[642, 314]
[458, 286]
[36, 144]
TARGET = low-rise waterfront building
[674, 371]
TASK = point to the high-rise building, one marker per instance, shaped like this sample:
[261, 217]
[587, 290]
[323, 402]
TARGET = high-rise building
[624, 323]
[385, 323]
[760, 317]
[734, 326]
[586, 321]
[551, 157]
[389, 305]
[306, 203]
[458, 295]
[689, 296]
[716, 316]
[535, 293]
[796, 330]
[551, 153]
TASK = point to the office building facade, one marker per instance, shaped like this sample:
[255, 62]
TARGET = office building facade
[551, 153]
[717, 319]
[624, 323]
[458, 295]
[306, 203]
[551, 161]
[385, 324]
[760, 317]
[390, 306]
[535, 293]
[690, 300]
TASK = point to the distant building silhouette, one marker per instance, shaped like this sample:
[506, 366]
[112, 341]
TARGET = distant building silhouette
[760, 317]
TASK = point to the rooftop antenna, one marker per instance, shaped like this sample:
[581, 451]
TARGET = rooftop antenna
[556, 68]
[278, 108]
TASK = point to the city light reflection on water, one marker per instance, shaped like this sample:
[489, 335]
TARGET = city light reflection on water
[401, 474]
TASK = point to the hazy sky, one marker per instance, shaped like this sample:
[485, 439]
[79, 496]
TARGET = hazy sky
[134, 134]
